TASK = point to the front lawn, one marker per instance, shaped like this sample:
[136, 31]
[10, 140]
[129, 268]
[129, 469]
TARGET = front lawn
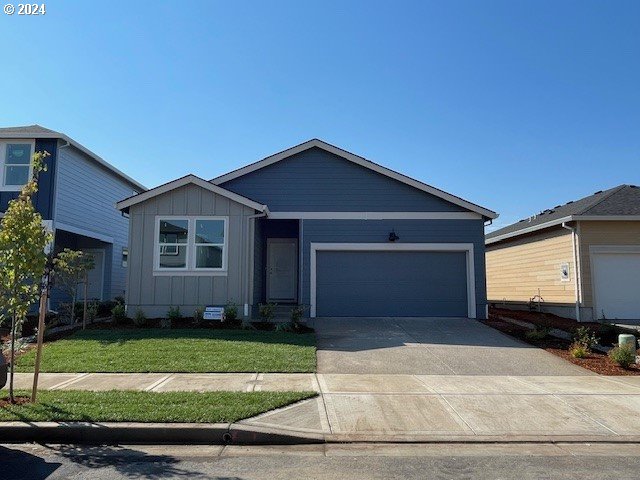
[189, 350]
[129, 406]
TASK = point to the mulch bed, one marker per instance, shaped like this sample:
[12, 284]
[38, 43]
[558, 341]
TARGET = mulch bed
[596, 362]
[4, 401]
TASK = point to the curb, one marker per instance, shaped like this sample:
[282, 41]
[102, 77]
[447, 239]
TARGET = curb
[150, 433]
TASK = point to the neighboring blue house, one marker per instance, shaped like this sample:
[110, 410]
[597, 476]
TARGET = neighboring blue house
[76, 198]
[314, 225]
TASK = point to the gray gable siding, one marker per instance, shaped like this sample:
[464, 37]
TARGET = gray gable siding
[86, 194]
[410, 231]
[43, 199]
[316, 180]
[155, 294]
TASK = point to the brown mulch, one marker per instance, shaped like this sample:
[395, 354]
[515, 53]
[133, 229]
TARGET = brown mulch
[4, 401]
[596, 362]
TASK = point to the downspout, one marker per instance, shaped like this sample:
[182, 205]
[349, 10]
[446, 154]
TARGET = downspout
[248, 285]
[576, 269]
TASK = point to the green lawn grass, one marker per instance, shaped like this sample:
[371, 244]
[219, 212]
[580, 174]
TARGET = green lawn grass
[132, 406]
[159, 350]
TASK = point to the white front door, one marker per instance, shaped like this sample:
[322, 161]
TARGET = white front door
[616, 282]
[282, 269]
[95, 277]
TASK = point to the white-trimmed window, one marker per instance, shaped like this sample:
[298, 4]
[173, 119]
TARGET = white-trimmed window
[191, 244]
[15, 164]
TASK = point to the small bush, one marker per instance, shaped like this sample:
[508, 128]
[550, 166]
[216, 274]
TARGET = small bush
[92, 310]
[586, 338]
[119, 299]
[624, 355]
[579, 350]
[231, 314]
[173, 314]
[118, 313]
[537, 334]
[139, 319]
[267, 311]
[104, 308]
[297, 313]
[285, 327]
[198, 316]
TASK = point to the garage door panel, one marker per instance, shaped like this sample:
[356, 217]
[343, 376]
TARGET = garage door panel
[617, 285]
[391, 283]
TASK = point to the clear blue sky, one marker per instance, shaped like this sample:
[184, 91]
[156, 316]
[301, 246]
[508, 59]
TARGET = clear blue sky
[515, 105]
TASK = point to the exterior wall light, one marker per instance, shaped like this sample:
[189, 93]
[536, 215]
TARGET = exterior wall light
[393, 237]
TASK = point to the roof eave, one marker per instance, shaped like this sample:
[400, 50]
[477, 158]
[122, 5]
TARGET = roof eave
[79, 146]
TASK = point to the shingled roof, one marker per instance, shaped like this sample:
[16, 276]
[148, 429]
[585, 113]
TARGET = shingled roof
[622, 200]
[37, 131]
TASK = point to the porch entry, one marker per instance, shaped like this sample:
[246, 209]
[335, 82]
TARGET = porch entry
[95, 277]
[282, 270]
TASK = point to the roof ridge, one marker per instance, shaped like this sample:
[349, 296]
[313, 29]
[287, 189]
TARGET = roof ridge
[613, 191]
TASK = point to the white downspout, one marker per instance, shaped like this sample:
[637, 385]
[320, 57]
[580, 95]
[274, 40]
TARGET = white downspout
[576, 273]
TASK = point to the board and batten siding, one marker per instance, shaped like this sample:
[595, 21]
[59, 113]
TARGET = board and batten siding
[318, 181]
[155, 294]
[409, 231]
[602, 233]
[517, 268]
[86, 194]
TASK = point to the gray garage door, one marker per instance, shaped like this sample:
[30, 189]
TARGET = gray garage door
[398, 284]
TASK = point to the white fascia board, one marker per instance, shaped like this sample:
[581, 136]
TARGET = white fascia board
[80, 147]
[376, 215]
[181, 182]
[363, 162]
[570, 218]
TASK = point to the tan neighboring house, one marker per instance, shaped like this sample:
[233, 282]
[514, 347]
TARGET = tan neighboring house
[582, 258]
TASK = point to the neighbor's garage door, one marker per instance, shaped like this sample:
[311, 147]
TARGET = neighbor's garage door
[616, 283]
[398, 284]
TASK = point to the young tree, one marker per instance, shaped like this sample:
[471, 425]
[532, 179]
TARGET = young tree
[71, 268]
[23, 239]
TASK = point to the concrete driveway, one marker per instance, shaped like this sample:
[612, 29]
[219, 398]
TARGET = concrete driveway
[428, 346]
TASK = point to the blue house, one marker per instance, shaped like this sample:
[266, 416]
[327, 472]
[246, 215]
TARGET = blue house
[76, 198]
[313, 225]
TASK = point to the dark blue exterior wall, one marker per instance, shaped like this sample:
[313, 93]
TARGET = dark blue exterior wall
[43, 200]
[316, 181]
[409, 231]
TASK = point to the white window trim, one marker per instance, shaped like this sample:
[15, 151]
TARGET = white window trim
[3, 155]
[190, 269]
[397, 247]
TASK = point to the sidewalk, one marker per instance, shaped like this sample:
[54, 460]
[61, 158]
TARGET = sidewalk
[415, 408]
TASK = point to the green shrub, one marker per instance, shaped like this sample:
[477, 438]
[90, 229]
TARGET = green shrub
[198, 316]
[118, 313]
[92, 310]
[119, 299]
[586, 337]
[579, 350]
[267, 311]
[173, 314]
[297, 313]
[139, 319]
[537, 334]
[624, 355]
[231, 313]
[285, 327]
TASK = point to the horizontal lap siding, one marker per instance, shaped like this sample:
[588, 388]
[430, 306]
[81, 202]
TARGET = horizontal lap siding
[517, 269]
[155, 294]
[602, 233]
[86, 194]
[316, 180]
[409, 231]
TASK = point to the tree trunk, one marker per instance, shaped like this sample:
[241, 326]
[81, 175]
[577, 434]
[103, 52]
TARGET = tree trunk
[36, 370]
[13, 357]
[73, 304]
[84, 312]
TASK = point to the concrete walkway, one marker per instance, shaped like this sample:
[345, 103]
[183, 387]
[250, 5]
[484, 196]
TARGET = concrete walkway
[414, 407]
